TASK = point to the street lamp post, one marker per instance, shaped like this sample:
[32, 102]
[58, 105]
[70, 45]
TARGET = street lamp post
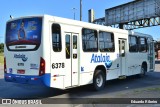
[80, 10]
[74, 13]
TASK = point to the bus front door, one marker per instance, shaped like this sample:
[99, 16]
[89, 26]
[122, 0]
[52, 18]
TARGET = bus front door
[122, 58]
[71, 54]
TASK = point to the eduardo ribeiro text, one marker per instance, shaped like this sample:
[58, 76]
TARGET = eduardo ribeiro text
[146, 101]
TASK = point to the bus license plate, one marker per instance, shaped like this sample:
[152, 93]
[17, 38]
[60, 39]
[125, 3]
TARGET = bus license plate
[20, 71]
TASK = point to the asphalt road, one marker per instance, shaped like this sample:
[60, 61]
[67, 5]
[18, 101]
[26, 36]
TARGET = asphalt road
[132, 87]
[112, 89]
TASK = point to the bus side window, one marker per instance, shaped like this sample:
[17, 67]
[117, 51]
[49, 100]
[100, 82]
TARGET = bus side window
[142, 44]
[106, 42]
[133, 44]
[56, 38]
[89, 40]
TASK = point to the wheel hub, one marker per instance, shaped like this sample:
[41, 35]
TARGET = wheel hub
[99, 81]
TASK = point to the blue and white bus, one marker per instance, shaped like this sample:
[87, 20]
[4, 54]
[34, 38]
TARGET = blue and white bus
[64, 53]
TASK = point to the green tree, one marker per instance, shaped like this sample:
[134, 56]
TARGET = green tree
[1, 47]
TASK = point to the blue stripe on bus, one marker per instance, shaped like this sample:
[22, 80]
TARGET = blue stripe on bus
[27, 79]
[46, 79]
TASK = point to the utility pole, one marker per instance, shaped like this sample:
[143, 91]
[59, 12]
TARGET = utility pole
[80, 10]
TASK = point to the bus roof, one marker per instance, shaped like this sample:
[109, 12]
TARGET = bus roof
[93, 26]
[139, 34]
[83, 24]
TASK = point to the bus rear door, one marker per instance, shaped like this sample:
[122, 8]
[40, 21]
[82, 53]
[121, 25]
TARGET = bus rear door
[71, 64]
[151, 54]
[122, 58]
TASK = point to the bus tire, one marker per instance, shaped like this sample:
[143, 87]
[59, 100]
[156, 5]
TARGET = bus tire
[98, 80]
[143, 71]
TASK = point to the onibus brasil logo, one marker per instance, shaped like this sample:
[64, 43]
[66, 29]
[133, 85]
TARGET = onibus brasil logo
[101, 59]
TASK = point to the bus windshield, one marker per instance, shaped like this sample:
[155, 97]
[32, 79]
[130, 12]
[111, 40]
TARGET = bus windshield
[24, 34]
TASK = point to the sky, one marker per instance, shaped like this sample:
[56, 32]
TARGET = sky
[61, 8]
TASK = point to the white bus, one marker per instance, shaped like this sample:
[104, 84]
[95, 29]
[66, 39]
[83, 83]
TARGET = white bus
[64, 53]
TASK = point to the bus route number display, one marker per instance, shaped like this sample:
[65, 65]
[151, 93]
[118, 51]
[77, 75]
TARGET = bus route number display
[58, 65]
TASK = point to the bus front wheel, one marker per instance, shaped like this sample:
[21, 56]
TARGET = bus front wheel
[98, 80]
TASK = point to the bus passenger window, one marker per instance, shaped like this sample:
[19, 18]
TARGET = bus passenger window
[56, 38]
[89, 40]
[133, 47]
[142, 44]
[106, 42]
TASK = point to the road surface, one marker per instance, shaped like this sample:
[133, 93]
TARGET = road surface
[132, 87]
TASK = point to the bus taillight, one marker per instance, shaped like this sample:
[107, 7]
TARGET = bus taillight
[42, 67]
[5, 68]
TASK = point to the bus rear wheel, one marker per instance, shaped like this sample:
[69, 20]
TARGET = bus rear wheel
[98, 80]
[143, 71]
